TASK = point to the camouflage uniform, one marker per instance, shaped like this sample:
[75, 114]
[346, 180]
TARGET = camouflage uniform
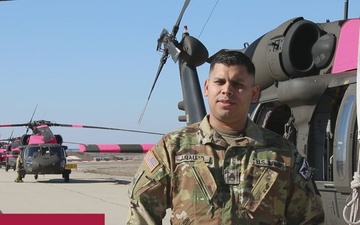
[19, 166]
[258, 179]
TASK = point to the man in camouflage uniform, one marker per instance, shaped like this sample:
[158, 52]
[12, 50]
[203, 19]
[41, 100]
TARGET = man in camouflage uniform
[225, 169]
[19, 166]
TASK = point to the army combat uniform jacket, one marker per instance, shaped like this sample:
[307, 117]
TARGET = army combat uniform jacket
[258, 179]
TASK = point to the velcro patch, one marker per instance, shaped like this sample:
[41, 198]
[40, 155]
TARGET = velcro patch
[192, 158]
[269, 163]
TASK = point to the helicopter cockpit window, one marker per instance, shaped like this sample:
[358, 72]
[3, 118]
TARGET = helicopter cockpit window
[31, 151]
[57, 151]
[343, 142]
[15, 144]
[46, 132]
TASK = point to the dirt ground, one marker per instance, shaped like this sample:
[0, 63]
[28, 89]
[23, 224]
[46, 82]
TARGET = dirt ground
[118, 164]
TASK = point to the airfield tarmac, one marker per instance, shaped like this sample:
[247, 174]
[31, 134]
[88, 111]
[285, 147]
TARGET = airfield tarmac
[95, 187]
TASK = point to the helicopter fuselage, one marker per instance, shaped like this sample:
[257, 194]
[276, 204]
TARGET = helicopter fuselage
[45, 159]
[321, 121]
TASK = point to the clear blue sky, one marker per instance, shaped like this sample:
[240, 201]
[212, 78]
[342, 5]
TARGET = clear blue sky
[92, 62]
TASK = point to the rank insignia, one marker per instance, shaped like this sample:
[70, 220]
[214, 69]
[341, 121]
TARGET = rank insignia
[231, 176]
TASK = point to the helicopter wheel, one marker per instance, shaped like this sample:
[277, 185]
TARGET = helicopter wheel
[36, 176]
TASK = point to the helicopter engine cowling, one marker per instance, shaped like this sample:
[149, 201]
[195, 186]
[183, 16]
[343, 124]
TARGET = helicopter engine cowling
[297, 48]
[25, 139]
[194, 51]
[59, 139]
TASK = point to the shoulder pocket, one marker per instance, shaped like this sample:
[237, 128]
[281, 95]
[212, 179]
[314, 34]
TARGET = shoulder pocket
[260, 189]
[145, 180]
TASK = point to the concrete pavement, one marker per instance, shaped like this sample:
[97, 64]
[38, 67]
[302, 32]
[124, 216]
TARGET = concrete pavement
[85, 193]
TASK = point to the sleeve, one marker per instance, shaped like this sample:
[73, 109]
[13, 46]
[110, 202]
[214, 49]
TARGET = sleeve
[304, 204]
[149, 191]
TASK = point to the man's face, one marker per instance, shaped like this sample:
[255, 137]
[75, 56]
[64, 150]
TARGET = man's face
[230, 91]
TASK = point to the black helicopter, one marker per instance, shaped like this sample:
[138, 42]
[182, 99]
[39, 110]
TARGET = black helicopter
[3, 146]
[11, 152]
[44, 153]
[307, 72]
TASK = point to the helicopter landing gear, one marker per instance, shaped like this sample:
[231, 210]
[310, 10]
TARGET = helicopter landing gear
[7, 167]
[66, 176]
[36, 176]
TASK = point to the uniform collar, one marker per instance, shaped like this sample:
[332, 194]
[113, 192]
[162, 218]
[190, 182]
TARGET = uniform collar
[253, 134]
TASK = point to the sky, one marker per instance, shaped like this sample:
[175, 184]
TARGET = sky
[93, 62]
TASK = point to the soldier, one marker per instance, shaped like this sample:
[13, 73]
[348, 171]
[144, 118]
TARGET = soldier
[225, 169]
[19, 166]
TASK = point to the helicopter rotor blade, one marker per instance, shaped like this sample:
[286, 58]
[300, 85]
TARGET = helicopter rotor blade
[177, 24]
[11, 136]
[14, 125]
[103, 128]
[162, 63]
[166, 40]
[32, 116]
[37, 123]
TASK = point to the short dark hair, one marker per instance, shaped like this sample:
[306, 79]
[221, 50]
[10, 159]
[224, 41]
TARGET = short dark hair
[231, 58]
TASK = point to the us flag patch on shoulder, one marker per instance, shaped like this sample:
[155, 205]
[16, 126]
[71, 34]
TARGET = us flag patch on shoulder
[151, 161]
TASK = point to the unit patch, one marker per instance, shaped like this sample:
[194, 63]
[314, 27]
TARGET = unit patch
[151, 161]
[305, 170]
[191, 158]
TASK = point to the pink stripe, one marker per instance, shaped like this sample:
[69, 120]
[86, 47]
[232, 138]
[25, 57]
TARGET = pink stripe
[5, 125]
[347, 49]
[77, 126]
[147, 147]
[82, 148]
[36, 139]
[111, 148]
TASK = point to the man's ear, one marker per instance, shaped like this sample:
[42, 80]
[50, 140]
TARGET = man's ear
[255, 93]
[206, 85]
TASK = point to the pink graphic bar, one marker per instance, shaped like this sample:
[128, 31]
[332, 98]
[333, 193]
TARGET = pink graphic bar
[347, 49]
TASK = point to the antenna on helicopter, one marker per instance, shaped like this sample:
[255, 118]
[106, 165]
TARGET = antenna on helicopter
[169, 43]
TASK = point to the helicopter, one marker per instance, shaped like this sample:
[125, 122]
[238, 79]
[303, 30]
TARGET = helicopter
[3, 153]
[12, 151]
[8, 152]
[307, 72]
[44, 153]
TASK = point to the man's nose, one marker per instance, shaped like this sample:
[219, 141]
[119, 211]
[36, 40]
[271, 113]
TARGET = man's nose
[227, 89]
